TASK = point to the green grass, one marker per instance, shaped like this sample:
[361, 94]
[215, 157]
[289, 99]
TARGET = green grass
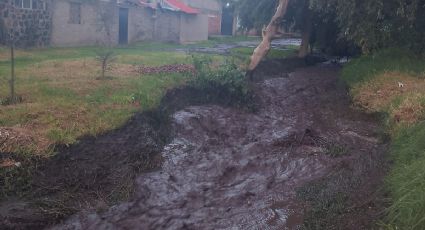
[366, 67]
[406, 180]
[233, 39]
[63, 102]
[63, 99]
[274, 53]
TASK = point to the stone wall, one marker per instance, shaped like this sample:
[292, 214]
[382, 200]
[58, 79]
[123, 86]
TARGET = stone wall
[27, 27]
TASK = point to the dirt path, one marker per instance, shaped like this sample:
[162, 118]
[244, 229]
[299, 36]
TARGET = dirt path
[228, 169]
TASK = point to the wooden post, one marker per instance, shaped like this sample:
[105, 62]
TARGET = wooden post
[12, 77]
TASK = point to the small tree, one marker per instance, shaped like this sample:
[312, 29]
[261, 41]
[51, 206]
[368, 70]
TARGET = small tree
[106, 58]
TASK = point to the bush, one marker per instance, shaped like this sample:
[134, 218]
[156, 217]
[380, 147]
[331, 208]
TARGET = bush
[227, 83]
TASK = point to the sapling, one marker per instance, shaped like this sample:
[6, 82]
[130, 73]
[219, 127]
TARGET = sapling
[106, 59]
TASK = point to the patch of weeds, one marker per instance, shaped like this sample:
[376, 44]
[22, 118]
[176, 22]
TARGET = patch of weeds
[61, 136]
[48, 91]
[16, 178]
[335, 150]
[394, 60]
[406, 181]
[326, 205]
[226, 84]
[9, 101]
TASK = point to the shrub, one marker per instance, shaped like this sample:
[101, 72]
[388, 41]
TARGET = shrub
[227, 82]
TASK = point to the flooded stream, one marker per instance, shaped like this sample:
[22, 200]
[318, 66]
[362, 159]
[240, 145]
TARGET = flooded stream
[230, 169]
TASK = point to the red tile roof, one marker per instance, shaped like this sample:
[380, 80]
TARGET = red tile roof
[180, 6]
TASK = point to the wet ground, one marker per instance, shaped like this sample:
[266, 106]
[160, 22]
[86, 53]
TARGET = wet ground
[279, 44]
[226, 168]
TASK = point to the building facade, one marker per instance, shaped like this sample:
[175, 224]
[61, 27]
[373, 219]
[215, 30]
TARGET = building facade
[32, 23]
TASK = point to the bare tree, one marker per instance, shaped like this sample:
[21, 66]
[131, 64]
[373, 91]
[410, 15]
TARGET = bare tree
[269, 33]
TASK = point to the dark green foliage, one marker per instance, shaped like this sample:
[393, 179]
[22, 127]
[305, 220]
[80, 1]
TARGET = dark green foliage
[227, 82]
[339, 24]
[378, 24]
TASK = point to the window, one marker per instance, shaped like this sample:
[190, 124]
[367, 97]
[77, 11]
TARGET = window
[27, 4]
[24, 4]
[75, 13]
[30, 4]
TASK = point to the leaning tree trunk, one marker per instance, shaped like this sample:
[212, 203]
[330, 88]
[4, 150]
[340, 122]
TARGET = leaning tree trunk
[306, 33]
[269, 33]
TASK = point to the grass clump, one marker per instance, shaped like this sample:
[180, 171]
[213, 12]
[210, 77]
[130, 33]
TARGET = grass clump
[368, 67]
[375, 87]
[246, 52]
[406, 181]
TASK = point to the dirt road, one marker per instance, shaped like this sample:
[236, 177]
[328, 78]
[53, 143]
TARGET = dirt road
[230, 169]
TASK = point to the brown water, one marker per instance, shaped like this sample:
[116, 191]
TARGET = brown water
[229, 169]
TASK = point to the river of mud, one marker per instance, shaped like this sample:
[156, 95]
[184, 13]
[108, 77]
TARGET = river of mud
[229, 169]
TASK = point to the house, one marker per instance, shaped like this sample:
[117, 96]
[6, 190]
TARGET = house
[109, 22]
[221, 18]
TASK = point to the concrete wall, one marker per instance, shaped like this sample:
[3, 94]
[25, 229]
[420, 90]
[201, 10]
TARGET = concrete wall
[140, 24]
[193, 28]
[211, 8]
[95, 26]
[167, 26]
[27, 27]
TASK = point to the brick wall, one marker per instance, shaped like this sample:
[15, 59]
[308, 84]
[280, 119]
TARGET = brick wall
[214, 24]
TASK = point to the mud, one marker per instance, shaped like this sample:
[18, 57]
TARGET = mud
[227, 168]
[98, 172]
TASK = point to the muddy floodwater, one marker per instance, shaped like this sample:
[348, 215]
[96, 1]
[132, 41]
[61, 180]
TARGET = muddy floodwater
[230, 169]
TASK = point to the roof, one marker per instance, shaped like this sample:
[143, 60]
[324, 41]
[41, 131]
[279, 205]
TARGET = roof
[180, 6]
[173, 5]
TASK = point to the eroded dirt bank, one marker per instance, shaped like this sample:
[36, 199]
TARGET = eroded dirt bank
[230, 169]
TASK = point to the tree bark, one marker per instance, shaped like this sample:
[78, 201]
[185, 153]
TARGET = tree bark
[306, 33]
[269, 34]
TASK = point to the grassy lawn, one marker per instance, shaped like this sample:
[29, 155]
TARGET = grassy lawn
[63, 98]
[375, 87]
[245, 52]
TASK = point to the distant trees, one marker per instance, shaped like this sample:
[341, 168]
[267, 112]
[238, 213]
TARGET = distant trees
[339, 26]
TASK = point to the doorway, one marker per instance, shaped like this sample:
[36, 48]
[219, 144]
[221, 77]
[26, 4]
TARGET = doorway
[123, 26]
[227, 21]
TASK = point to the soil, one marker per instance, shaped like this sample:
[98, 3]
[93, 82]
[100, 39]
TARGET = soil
[303, 159]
